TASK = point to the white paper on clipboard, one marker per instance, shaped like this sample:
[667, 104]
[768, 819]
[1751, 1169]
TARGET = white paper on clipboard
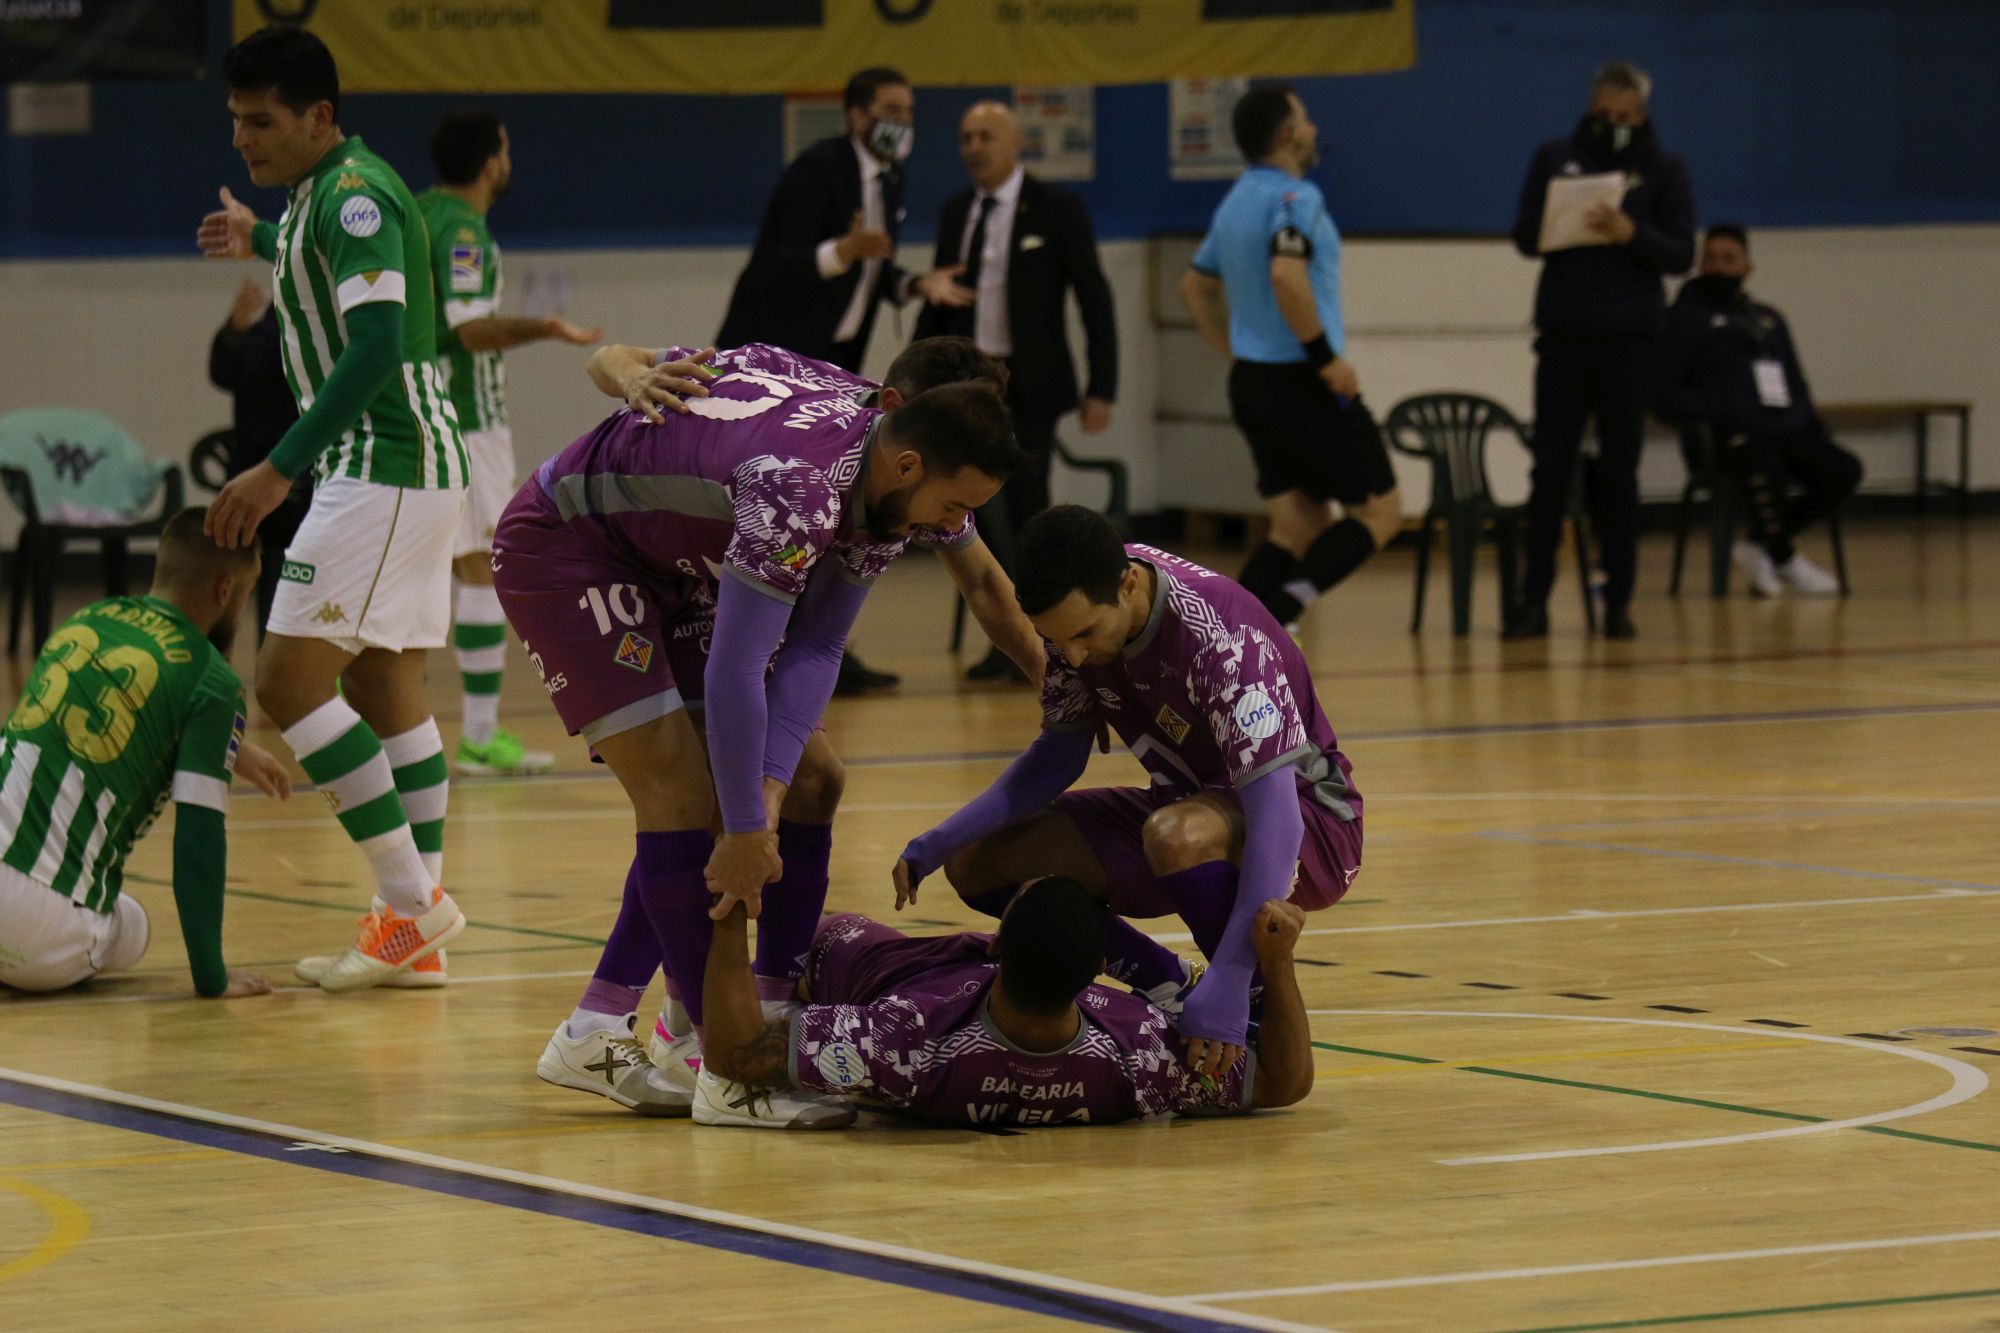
[1568, 204]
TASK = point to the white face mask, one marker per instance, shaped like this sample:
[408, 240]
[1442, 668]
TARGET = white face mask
[1621, 136]
[890, 141]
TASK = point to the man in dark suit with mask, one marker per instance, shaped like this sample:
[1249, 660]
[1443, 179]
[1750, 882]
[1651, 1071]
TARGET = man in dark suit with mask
[825, 257]
[1018, 246]
[1598, 310]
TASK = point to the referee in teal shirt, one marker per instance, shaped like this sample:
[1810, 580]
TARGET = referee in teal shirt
[1264, 289]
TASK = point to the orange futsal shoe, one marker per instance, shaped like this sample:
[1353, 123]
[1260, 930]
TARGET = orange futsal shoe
[424, 974]
[391, 944]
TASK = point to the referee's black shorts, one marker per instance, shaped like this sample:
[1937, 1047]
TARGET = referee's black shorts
[1303, 439]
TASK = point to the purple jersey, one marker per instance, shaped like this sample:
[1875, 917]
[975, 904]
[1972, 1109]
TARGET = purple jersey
[1212, 694]
[762, 477]
[903, 1021]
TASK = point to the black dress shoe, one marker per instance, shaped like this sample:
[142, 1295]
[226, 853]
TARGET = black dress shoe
[1529, 622]
[996, 666]
[1618, 624]
[856, 679]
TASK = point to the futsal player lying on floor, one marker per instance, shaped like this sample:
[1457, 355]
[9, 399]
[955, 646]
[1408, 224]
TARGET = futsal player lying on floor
[1251, 800]
[1012, 1029]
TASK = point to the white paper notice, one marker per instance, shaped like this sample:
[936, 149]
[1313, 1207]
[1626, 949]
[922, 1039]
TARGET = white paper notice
[1570, 199]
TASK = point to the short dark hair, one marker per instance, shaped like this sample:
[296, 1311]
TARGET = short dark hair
[1729, 231]
[463, 142]
[861, 89]
[291, 61]
[1259, 115]
[1051, 945]
[930, 362]
[1065, 549]
[189, 555]
[959, 426]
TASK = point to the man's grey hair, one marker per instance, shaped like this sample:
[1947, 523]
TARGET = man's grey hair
[1625, 77]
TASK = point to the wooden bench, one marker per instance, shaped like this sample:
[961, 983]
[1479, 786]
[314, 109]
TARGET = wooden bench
[1916, 414]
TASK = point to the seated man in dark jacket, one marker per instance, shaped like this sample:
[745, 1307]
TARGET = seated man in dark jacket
[1729, 362]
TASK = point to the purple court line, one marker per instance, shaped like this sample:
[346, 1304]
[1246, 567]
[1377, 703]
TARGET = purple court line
[988, 1289]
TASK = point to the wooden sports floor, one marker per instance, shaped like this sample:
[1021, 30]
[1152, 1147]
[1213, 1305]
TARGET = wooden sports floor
[1667, 996]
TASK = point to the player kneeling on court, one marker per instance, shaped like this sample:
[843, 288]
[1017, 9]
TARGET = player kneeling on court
[1250, 799]
[946, 1031]
[131, 703]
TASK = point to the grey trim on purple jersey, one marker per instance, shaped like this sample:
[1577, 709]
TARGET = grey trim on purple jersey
[993, 1031]
[633, 716]
[1155, 617]
[604, 494]
[756, 585]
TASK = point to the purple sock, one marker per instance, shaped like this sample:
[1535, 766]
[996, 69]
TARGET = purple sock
[669, 869]
[792, 908]
[630, 956]
[1203, 895]
[994, 901]
[1136, 958]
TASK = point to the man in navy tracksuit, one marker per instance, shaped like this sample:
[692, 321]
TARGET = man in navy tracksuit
[1598, 309]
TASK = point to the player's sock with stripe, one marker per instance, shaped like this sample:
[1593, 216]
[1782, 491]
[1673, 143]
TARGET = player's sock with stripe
[625, 968]
[792, 908]
[669, 867]
[479, 637]
[345, 761]
[1334, 554]
[416, 758]
[1137, 959]
[1266, 570]
[1203, 895]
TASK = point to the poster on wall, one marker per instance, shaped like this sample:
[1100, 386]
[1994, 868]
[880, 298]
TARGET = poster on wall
[58, 41]
[1058, 130]
[810, 117]
[1200, 146]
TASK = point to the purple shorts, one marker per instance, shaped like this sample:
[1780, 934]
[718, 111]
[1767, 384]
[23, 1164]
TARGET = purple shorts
[1113, 820]
[854, 960]
[615, 644]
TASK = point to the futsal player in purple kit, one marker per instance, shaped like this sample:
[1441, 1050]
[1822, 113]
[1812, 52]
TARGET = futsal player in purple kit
[656, 565]
[1250, 799]
[982, 1030]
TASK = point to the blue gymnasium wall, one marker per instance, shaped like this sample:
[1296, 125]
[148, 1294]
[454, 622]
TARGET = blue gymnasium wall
[1792, 113]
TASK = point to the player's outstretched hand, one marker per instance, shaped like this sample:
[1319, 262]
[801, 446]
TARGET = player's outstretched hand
[667, 385]
[266, 774]
[225, 233]
[1275, 933]
[906, 880]
[244, 983]
[941, 286]
[739, 868]
[237, 509]
[573, 333]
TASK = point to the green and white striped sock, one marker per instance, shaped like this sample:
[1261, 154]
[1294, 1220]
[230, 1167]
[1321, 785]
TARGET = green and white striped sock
[479, 635]
[416, 758]
[345, 761]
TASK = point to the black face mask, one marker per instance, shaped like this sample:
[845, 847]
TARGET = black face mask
[1716, 288]
[1614, 141]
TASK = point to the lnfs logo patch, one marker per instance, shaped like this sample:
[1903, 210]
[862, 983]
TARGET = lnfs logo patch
[360, 216]
[635, 651]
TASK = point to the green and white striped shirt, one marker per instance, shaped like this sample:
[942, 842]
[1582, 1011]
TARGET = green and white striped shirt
[351, 234]
[127, 706]
[465, 269]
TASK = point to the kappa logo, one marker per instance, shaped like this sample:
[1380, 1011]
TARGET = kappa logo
[298, 571]
[329, 613]
[635, 651]
[1256, 715]
[360, 216]
[349, 181]
[1172, 723]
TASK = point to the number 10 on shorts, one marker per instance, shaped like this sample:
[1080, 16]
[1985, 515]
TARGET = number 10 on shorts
[620, 600]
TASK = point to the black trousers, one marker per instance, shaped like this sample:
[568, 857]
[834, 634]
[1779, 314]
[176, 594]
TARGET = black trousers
[1579, 378]
[1026, 493]
[1763, 465]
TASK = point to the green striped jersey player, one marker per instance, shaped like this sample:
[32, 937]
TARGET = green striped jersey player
[130, 704]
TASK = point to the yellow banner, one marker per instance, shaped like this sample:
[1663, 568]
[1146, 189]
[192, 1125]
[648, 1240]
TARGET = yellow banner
[767, 46]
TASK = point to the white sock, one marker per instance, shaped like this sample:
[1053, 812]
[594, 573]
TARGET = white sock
[479, 638]
[416, 758]
[480, 718]
[583, 1022]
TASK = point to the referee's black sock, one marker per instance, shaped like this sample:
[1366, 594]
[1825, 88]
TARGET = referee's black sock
[1266, 570]
[1334, 554]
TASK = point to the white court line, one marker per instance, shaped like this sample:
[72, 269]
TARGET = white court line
[1967, 1082]
[158, 997]
[1612, 1266]
[565, 816]
[668, 1207]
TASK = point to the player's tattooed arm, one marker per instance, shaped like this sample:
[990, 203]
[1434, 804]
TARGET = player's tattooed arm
[738, 1044]
[762, 1062]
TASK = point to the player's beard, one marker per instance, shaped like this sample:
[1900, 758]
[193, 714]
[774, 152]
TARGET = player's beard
[223, 636]
[890, 513]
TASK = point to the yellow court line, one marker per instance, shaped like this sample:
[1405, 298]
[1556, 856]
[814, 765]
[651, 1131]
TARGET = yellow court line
[69, 1224]
[1562, 1057]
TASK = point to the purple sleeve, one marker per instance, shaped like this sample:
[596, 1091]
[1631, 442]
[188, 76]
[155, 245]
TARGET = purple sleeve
[873, 1048]
[803, 675]
[1043, 772]
[1219, 1007]
[749, 623]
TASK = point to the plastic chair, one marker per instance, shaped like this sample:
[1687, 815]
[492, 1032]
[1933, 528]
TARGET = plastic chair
[208, 459]
[1449, 431]
[1706, 479]
[76, 475]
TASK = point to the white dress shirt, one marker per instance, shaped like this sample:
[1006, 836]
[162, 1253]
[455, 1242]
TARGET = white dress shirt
[989, 312]
[876, 218]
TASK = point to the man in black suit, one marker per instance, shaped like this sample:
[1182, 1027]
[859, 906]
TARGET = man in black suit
[1017, 245]
[825, 257]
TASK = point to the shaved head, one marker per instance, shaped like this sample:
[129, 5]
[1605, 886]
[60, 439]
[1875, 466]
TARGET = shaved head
[989, 143]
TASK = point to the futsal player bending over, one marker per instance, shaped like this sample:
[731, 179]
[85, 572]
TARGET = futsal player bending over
[656, 565]
[944, 1030]
[1250, 799]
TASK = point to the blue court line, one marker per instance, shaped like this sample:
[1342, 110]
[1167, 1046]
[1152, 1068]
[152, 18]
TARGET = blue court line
[1718, 858]
[938, 1279]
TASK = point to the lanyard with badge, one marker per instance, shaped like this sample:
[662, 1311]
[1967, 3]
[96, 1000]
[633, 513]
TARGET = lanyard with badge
[1766, 371]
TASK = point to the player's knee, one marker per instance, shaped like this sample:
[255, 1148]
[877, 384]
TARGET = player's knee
[1384, 516]
[817, 786]
[131, 932]
[1183, 836]
[962, 869]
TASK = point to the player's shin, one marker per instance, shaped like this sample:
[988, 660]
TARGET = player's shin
[669, 867]
[345, 760]
[479, 639]
[625, 968]
[416, 760]
[792, 908]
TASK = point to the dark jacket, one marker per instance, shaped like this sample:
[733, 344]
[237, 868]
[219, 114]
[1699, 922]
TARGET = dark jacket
[1610, 288]
[781, 298]
[250, 367]
[1712, 340]
[1061, 252]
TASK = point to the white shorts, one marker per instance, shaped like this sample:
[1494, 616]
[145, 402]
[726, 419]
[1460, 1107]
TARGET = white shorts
[370, 567]
[491, 454]
[48, 942]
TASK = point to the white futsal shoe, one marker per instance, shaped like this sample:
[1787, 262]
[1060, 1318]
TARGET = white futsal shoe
[424, 974]
[717, 1101]
[1169, 997]
[1755, 561]
[1802, 576]
[677, 1057]
[611, 1063]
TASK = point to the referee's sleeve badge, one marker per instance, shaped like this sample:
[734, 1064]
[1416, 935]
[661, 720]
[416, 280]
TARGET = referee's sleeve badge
[1291, 243]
